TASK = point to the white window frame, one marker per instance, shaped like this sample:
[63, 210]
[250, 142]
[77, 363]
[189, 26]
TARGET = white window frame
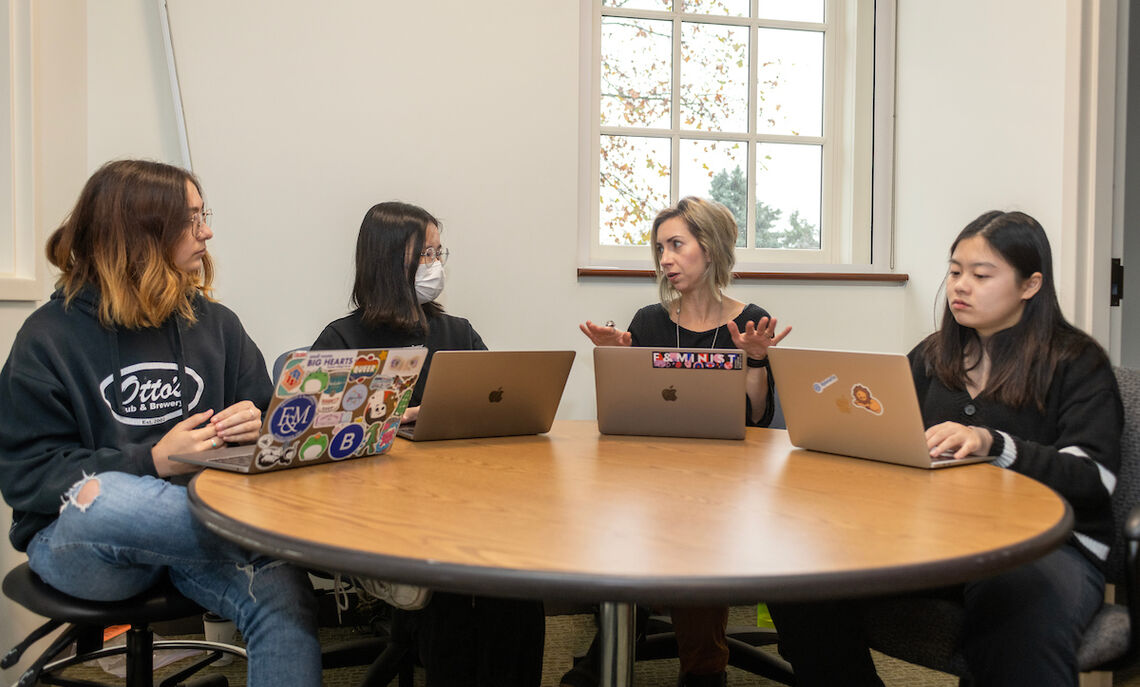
[19, 265]
[847, 195]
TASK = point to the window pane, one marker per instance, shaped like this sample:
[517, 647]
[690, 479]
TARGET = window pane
[664, 5]
[714, 77]
[788, 191]
[724, 8]
[715, 169]
[636, 72]
[634, 185]
[791, 10]
[790, 82]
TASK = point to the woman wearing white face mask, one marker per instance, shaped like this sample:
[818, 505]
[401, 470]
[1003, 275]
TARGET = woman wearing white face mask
[462, 640]
[395, 291]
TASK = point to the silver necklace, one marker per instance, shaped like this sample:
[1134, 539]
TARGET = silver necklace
[677, 323]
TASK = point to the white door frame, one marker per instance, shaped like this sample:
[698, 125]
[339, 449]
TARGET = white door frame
[1088, 204]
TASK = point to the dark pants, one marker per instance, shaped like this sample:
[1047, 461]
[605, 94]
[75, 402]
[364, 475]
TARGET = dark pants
[467, 641]
[701, 644]
[1022, 627]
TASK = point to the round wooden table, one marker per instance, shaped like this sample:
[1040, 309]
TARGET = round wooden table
[619, 520]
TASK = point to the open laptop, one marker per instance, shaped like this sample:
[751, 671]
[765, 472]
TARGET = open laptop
[327, 406]
[472, 394]
[854, 404]
[670, 392]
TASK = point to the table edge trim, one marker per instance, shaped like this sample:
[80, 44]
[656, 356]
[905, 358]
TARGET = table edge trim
[588, 587]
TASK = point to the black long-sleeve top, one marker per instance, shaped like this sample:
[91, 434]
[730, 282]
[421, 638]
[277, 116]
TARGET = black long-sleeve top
[652, 326]
[1073, 446]
[444, 333]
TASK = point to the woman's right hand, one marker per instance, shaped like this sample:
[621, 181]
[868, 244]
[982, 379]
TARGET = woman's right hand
[184, 437]
[606, 335]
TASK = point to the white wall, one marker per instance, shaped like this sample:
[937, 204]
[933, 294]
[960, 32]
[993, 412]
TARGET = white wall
[981, 95]
[60, 139]
[488, 142]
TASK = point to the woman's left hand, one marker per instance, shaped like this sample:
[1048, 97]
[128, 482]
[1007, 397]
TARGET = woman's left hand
[757, 337]
[961, 440]
[238, 424]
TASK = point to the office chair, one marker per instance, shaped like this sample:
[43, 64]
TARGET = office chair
[388, 651]
[85, 623]
[926, 631]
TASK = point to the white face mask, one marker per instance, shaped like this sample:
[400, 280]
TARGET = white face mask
[429, 281]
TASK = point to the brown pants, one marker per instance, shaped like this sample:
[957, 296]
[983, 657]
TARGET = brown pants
[701, 643]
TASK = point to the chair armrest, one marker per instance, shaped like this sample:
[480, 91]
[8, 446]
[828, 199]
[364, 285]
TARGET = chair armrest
[1131, 591]
[1132, 527]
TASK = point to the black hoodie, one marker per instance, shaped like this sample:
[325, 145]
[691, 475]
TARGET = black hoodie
[78, 398]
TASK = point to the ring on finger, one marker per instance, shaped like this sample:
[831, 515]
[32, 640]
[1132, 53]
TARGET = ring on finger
[213, 443]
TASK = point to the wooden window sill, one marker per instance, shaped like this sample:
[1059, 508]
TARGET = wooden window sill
[881, 277]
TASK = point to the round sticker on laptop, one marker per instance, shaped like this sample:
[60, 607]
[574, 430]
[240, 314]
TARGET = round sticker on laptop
[292, 417]
[346, 440]
[354, 397]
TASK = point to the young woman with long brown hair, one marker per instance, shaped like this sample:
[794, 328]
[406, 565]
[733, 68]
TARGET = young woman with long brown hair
[129, 363]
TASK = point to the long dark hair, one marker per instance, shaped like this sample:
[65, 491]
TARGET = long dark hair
[121, 237]
[388, 247]
[1024, 357]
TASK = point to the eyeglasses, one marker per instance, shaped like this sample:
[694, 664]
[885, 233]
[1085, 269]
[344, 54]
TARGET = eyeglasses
[432, 255]
[203, 217]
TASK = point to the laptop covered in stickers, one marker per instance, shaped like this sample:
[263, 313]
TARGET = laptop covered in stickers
[472, 394]
[854, 404]
[327, 406]
[670, 392]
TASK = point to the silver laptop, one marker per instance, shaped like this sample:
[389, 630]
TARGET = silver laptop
[490, 394]
[670, 392]
[854, 404]
[327, 406]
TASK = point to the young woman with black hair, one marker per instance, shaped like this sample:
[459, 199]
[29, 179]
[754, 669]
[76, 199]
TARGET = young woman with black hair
[463, 640]
[1005, 376]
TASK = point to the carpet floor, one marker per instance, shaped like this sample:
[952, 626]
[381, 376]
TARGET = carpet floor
[569, 635]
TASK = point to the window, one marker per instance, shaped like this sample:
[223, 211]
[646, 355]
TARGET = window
[18, 249]
[767, 106]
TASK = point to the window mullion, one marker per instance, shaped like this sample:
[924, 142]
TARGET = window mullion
[675, 109]
[750, 155]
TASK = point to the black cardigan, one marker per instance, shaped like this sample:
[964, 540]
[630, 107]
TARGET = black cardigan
[1072, 447]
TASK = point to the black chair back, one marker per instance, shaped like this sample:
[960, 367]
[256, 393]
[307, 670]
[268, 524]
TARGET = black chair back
[1127, 492]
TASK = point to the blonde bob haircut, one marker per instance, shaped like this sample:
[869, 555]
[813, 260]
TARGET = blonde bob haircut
[120, 239]
[714, 228]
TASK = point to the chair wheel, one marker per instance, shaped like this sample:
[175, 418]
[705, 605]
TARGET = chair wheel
[207, 681]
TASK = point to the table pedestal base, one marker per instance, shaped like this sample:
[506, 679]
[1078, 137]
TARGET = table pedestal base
[616, 632]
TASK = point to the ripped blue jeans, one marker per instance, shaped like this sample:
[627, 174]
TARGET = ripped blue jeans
[117, 538]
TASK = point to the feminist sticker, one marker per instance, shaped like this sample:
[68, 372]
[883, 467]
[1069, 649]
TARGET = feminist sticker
[690, 360]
